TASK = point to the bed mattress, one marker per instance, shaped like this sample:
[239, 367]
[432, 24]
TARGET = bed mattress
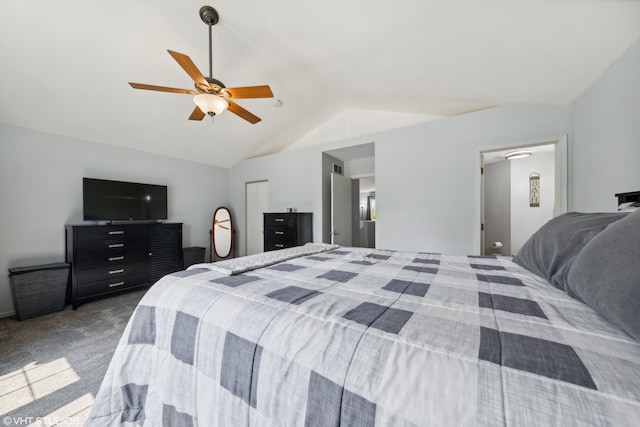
[365, 337]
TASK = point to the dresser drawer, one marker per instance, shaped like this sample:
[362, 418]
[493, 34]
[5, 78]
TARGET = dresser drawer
[280, 220]
[91, 289]
[112, 271]
[273, 246]
[280, 234]
[106, 252]
[110, 232]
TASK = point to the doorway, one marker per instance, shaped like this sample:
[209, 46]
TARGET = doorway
[518, 195]
[354, 168]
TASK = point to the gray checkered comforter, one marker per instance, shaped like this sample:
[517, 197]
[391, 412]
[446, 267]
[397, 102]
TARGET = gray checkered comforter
[363, 337]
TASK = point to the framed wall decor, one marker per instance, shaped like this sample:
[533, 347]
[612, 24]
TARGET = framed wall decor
[534, 190]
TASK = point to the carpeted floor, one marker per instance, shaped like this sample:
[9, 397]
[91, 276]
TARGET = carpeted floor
[51, 366]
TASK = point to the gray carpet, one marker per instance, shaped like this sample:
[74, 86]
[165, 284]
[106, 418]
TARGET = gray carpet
[51, 366]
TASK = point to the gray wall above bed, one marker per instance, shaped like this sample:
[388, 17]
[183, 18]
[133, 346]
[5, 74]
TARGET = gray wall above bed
[426, 174]
[605, 145]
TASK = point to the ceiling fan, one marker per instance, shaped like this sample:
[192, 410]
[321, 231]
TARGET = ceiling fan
[212, 97]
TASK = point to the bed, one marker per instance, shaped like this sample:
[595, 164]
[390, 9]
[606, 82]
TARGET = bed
[325, 336]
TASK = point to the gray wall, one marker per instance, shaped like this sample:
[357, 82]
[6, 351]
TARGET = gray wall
[41, 191]
[605, 145]
[526, 220]
[426, 176]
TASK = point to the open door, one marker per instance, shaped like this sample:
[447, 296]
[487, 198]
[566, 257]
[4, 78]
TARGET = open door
[340, 210]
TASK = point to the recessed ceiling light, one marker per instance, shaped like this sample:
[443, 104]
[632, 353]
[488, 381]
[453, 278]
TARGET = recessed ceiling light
[512, 155]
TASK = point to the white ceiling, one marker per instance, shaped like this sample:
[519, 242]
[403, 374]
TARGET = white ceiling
[340, 68]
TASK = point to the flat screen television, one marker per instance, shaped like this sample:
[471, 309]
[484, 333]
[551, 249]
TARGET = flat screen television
[105, 200]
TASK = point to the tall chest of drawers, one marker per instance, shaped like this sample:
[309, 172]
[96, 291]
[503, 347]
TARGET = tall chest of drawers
[111, 258]
[286, 230]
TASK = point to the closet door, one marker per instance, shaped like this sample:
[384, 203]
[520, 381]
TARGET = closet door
[257, 203]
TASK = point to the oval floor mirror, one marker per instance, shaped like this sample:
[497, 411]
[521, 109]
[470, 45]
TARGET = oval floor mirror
[222, 234]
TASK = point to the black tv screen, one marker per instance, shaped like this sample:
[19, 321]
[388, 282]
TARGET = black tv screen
[105, 200]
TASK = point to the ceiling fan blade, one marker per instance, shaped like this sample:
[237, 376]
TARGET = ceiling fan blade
[162, 88]
[250, 92]
[187, 64]
[238, 110]
[197, 114]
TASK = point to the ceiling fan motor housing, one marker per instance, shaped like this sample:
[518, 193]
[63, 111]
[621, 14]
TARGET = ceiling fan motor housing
[209, 15]
[214, 87]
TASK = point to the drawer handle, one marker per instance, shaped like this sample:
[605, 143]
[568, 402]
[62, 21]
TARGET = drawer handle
[113, 285]
[116, 245]
[117, 232]
[116, 258]
[279, 219]
[279, 232]
[277, 245]
[118, 271]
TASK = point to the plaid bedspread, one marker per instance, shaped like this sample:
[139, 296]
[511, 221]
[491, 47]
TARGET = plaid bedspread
[363, 337]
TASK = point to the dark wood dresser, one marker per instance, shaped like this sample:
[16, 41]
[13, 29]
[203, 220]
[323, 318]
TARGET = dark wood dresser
[110, 258]
[165, 241]
[286, 230]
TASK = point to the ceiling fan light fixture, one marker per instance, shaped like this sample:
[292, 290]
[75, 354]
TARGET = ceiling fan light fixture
[519, 154]
[211, 104]
[212, 97]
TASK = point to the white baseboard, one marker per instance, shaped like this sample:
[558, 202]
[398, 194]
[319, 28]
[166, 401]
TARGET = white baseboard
[7, 314]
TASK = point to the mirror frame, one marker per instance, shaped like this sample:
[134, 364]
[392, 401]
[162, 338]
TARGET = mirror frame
[231, 233]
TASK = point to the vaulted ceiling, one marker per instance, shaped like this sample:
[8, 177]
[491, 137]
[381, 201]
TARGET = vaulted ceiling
[340, 68]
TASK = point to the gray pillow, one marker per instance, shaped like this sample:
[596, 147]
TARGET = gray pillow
[605, 275]
[551, 250]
